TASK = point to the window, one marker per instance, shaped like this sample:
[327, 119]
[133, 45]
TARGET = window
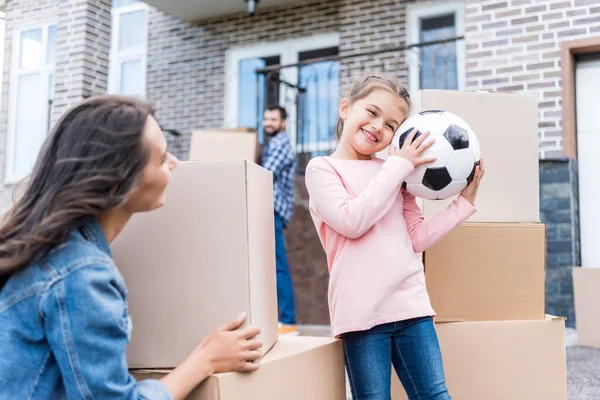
[436, 66]
[319, 108]
[311, 116]
[129, 48]
[32, 91]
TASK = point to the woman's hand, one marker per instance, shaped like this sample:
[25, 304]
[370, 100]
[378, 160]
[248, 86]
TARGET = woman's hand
[225, 349]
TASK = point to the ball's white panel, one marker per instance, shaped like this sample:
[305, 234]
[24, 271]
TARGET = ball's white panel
[456, 120]
[461, 164]
[435, 124]
[452, 189]
[421, 191]
[440, 149]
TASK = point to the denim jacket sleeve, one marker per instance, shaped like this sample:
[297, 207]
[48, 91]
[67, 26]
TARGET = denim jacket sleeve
[86, 322]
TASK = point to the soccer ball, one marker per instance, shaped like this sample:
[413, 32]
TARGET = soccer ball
[456, 150]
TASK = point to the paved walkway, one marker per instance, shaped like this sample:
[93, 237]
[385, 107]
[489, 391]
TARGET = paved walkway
[583, 365]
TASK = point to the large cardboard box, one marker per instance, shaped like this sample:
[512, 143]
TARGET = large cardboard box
[507, 128]
[488, 271]
[199, 261]
[586, 289]
[225, 144]
[516, 360]
[297, 368]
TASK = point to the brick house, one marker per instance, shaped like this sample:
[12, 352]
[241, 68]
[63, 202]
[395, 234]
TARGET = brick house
[197, 62]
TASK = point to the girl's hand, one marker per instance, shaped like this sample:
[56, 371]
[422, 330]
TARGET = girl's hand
[470, 192]
[413, 148]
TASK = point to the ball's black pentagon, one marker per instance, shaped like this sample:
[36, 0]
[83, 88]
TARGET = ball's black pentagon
[436, 178]
[431, 112]
[457, 136]
[403, 137]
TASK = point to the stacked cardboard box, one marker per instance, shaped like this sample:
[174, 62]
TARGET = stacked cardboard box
[486, 279]
[298, 368]
[203, 258]
[224, 144]
[586, 282]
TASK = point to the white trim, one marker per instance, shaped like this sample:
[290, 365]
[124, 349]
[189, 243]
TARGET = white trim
[414, 13]
[116, 57]
[287, 50]
[44, 71]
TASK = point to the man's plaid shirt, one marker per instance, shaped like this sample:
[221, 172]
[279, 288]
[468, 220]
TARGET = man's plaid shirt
[280, 159]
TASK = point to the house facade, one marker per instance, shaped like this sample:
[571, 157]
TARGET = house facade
[197, 62]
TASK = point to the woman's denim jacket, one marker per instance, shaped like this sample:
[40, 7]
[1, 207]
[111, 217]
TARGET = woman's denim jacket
[64, 326]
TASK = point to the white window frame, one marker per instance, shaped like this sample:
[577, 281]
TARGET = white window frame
[15, 72]
[116, 57]
[288, 51]
[416, 12]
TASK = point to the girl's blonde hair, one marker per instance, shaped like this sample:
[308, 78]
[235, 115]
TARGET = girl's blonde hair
[366, 85]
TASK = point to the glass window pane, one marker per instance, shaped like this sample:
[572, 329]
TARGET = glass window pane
[31, 48]
[248, 112]
[51, 50]
[30, 127]
[438, 61]
[121, 3]
[132, 31]
[320, 109]
[132, 82]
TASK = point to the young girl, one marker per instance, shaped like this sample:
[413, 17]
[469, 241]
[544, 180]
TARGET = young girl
[64, 324]
[373, 233]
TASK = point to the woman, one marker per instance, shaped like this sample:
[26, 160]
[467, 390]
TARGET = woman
[64, 324]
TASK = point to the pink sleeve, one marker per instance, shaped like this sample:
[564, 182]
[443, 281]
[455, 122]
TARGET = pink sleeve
[425, 232]
[354, 216]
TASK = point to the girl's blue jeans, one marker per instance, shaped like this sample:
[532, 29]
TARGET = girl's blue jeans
[411, 346]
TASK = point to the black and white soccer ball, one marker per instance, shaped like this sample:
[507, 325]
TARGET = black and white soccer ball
[456, 149]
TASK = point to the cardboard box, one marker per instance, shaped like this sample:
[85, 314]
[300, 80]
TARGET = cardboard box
[297, 368]
[488, 271]
[517, 360]
[225, 144]
[586, 289]
[199, 261]
[507, 128]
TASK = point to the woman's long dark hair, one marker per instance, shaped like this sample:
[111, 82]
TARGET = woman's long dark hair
[86, 167]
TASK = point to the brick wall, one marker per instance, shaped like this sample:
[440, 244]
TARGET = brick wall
[370, 26]
[514, 45]
[83, 44]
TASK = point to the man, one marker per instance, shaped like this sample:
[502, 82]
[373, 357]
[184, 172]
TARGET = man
[280, 159]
